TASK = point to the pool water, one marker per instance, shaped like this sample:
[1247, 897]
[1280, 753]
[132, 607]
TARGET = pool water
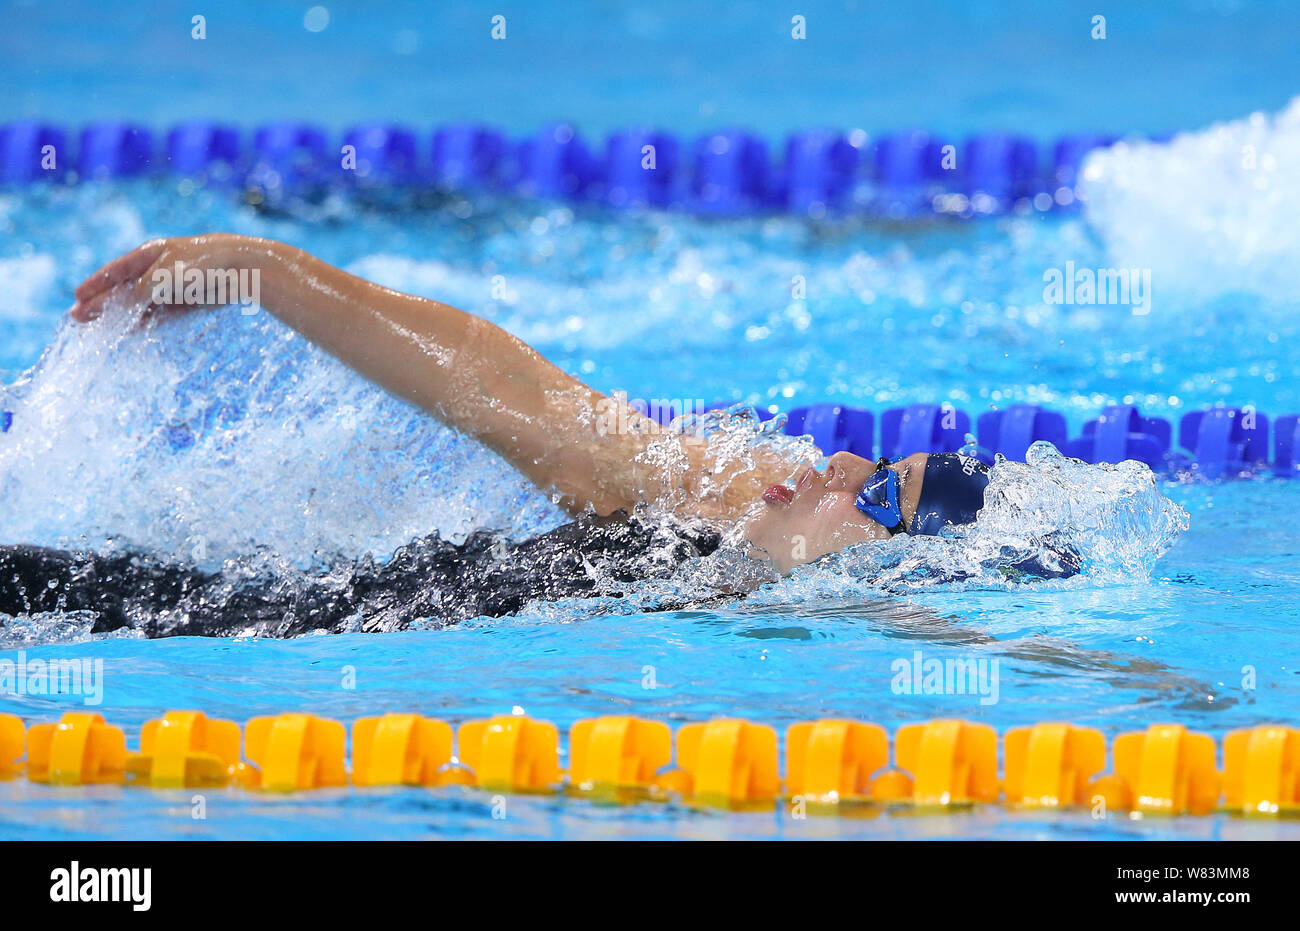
[1114, 657]
[286, 451]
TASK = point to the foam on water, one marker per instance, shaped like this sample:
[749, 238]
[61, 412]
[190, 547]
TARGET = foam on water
[1211, 212]
[208, 437]
[25, 282]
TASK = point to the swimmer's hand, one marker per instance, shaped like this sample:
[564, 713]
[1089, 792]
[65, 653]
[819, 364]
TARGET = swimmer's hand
[135, 279]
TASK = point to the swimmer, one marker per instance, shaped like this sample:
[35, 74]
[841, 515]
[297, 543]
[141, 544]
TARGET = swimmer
[480, 380]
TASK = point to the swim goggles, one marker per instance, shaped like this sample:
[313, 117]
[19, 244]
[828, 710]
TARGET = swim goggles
[878, 498]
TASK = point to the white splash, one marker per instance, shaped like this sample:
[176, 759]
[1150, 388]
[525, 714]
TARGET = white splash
[211, 436]
[25, 283]
[1209, 212]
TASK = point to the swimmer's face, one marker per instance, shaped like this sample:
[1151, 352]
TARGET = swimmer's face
[815, 515]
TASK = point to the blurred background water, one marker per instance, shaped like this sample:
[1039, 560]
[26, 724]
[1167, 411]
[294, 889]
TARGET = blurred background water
[943, 65]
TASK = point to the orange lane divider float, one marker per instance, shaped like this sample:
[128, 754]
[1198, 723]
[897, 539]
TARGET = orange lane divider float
[82, 749]
[187, 749]
[511, 753]
[833, 761]
[728, 762]
[617, 752]
[296, 751]
[13, 740]
[951, 763]
[1262, 771]
[1167, 770]
[400, 749]
[1052, 765]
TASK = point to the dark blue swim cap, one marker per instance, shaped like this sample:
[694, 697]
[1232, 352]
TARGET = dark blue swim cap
[952, 492]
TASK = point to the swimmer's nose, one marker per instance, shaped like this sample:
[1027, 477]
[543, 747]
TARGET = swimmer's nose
[854, 469]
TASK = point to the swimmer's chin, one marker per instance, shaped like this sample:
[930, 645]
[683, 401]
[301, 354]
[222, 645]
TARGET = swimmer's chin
[760, 556]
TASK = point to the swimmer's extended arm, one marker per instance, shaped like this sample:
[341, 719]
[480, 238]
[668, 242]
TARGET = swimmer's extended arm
[466, 371]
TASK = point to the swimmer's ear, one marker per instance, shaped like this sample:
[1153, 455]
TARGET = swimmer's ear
[92, 292]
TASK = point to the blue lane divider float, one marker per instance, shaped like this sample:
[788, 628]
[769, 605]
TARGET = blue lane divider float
[835, 427]
[998, 169]
[642, 169]
[1224, 440]
[1012, 431]
[1122, 433]
[466, 156]
[908, 170]
[922, 428]
[31, 151]
[201, 149]
[114, 150]
[725, 173]
[385, 154]
[731, 174]
[554, 163]
[820, 171]
[1286, 455]
[1219, 442]
[289, 157]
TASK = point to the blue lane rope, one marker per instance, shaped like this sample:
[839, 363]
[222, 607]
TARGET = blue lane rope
[724, 173]
[1218, 442]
